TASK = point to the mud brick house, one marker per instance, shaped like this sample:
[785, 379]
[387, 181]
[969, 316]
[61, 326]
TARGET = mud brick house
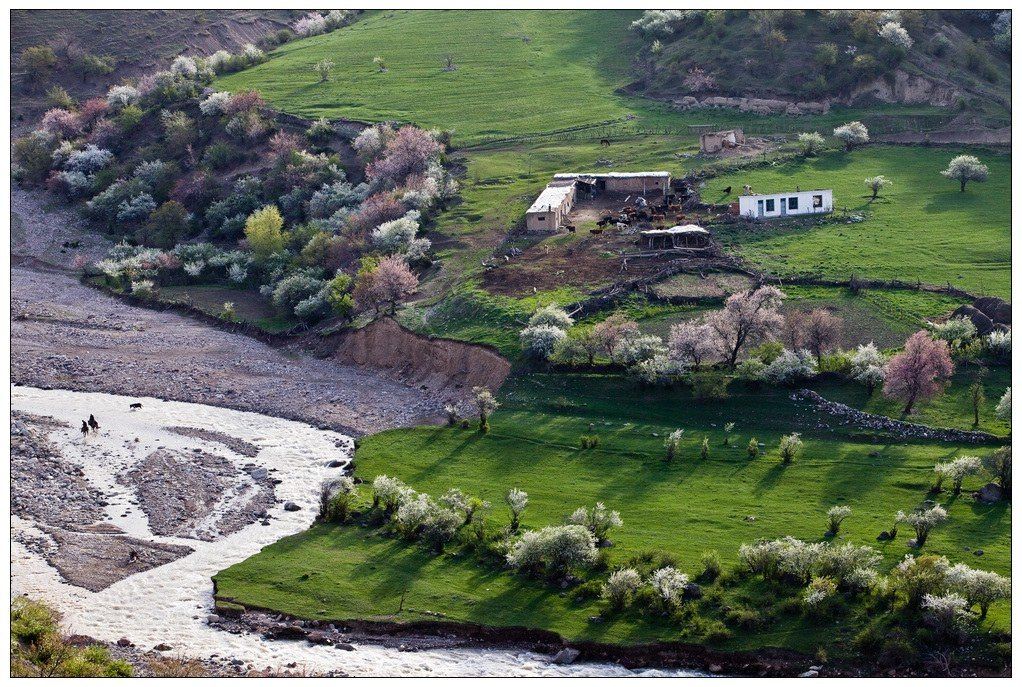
[776, 205]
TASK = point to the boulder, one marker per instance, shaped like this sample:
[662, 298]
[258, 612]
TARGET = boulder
[123, 642]
[162, 647]
[319, 638]
[997, 309]
[344, 646]
[291, 506]
[990, 493]
[983, 323]
[566, 656]
[810, 673]
[693, 591]
[287, 632]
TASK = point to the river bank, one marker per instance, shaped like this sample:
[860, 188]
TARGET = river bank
[168, 603]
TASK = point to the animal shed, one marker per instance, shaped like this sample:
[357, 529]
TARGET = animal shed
[551, 207]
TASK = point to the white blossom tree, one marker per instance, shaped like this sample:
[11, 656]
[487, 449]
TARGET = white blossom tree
[966, 168]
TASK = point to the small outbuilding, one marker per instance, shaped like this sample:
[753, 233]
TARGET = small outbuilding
[716, 141]
[551, 207]
[774, 205]
[642, 183]
[681, 236]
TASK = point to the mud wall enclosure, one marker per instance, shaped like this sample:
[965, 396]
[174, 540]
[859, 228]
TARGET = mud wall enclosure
[436, 364]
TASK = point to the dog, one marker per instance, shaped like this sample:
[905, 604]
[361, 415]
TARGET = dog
[93, 423]
[135, 406]
[727, 191]
[85, 429]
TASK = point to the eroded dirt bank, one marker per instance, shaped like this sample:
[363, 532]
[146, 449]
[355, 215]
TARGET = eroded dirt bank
[440, 365]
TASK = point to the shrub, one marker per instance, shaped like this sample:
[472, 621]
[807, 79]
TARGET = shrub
[33, 154]
[167, 226]
[790, 367]
[539, 341]
[89, 160]
[660, 370]
[1003, 410]
[710, 560]
[835, 516]
[818, 595]
[555, 550]
[978, 586]
[753, 448]
[811, 142]
[998, 344]
[119, 97]
[669, 586]
[598, 520]
[998, 464]
[636, 348]
[551, 315]
[671, 444]
[955, 331]
[948, 614]
[852, 134]
[790, 447]
[923, 521]
[263, 231]
[516, 500]
[389, 493]
[620, 587]
[916, 577]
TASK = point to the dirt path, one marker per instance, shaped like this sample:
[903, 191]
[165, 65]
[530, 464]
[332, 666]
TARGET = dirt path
[66, 335]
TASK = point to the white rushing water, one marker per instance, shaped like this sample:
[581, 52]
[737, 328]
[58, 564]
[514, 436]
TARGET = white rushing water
[169, 603]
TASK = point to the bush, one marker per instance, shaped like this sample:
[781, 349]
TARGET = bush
[220, 156]
[539, 341]
[554, 550]
[835, 516]
[790, 447]
[551, 315]
[620, 587]
[669, 586]
[790, 367]
[710, 560]
[598, 520]
[167, 226]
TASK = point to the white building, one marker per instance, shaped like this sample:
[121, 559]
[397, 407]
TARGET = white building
[773, 205]
[549, 210]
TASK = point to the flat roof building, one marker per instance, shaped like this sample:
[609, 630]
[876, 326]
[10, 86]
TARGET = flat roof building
[775, 205]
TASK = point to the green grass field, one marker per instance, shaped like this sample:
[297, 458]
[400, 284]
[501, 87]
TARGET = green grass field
[680, 508]
[921, 228]
[521, 80]
[515, 72]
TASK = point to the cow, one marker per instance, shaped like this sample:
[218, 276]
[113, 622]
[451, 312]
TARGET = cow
[135, 406]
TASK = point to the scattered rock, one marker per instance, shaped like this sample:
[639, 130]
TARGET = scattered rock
[566, 656]
[990, 493]
[343, 646]
[124, 641]
[977, 552]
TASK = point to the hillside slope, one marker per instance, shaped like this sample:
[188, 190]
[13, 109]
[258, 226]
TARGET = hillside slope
[509, 73]
[946, 59]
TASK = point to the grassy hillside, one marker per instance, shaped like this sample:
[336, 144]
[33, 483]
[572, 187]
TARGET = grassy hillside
[921, 228]
[811, 55]
[514, 72]
[677, 508]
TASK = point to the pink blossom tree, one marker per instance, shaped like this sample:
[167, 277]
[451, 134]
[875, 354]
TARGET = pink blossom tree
[389, 283]
[608, 333]
[919, 372]
[63, 123]
[691, 342]
[409, 152]
[818, 331]
[746, 318]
